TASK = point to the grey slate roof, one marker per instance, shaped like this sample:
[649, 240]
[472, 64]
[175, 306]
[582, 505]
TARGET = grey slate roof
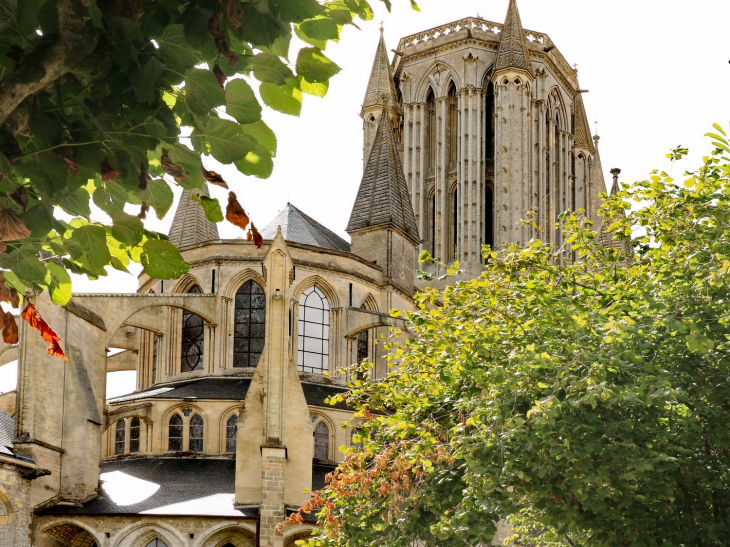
[298, 227]
[170, 486]
[512, 45]
[380, 84]
[7, 432]
[229, 389]
[383, 199]
[190, 226]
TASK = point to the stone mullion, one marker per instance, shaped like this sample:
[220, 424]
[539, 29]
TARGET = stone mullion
[174, 340]
[209, 344]
[224, 342]
[334, 359]
[550, 213]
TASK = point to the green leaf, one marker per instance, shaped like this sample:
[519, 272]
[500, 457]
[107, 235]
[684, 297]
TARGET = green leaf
[175, 50]
[318, 90]
[76, 202]
[92, 240]
[202, 91]
[263, 135]
[320, 28]
[257, 163]
[189, 160]
[241, 103]
[25, 264]
[212, 209]
[321, 44]
[284, 98]
[267, 67]
[60, 286]
[162, 260]
[315, 66]
[159, 196]
[127, 228]
[155, 128]
[225, 141]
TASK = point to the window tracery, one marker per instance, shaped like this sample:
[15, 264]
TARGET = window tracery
[134, 430]
[192, 338]
[250, 325]
[314, 322]
[321, 441]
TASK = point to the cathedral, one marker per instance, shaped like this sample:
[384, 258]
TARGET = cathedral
[237, 413]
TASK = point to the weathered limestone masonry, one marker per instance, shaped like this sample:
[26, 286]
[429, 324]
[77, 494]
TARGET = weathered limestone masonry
[15, 506]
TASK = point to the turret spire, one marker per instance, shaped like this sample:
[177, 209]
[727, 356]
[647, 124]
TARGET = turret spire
[190, 226]
[513, 46]
[381, 85]
[383, 199]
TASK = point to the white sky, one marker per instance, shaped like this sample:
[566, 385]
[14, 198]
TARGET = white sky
[657, 71]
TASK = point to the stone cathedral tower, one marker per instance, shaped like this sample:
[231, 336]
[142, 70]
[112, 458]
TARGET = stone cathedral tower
[490, 125]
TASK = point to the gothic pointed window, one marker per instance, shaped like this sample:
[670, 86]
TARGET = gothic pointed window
[489, 122]
[134, 429]
[231, 430]
[430, 130]
[175, 434]
[191, 357]
[455, 223]
[250, 325]
[363, 340]
[489, 215]
[119, 437]
[314, 326]
[432, 222]
[452, 126]
[196, 433]
[321, 441]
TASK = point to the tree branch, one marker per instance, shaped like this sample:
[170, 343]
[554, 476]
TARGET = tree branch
[52, 58]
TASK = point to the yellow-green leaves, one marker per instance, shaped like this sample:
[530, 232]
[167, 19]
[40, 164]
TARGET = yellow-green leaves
[285, 98]
[202, 91]
[241, 102]
[162, 260]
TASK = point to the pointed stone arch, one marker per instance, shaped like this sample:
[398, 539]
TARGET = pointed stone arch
[438, 78]
[322, 284]
[185, 283]
[72, 533]
[236, 534]
[369, 303]
[557, 109]
[240, 278]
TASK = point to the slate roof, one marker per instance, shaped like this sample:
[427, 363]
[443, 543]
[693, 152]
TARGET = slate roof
[298, 227]
[380, 85]
[171, 486]
[190, 226]
[233, 389]
[512, 45]
[383, 199]
[582, 132]
[7, 432]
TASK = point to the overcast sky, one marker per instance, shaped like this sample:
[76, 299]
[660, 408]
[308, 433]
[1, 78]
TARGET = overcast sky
[658, 73]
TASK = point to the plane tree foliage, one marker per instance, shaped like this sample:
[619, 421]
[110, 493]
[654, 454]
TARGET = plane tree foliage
[99, 99]
[579, 393]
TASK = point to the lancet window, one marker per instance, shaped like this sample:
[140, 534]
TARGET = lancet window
[175, 434]
[196, 433]
[430, 130]
[321, 439]
[134, 430]
[432, 223]
[489, 214]
[314, 323]
[231, 430]
[156, 543]
[452, 126]
[454, 228]
[120, 434]
[192, 338]
[250, 325]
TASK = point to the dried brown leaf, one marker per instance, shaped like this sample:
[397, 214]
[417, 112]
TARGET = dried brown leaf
[258, 240]
[8, 294]
[219, 76]
[219, 38]
[31, 315]
[73, 167]
[19, 196]
[235, 213]
[10, 329]
[171, 168]
[12, 226]
[106, 171]
[143, 211]
[213, 177]
[143, 177]
[234, 10]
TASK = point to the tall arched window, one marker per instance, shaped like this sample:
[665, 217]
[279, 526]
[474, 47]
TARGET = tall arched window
[134, 428]
[119, 437]
[432, 223]
[196, 433]
[452, 127]
[156, 543]
[430, 130]
[250, 324]
[192, 338]
[322, 441]
[489, 123]
[231, 430]
[314, 327]
[455, 223]
[489, 215]
[175, 434]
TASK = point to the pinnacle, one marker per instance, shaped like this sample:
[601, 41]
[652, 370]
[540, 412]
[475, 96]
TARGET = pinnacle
[381, 84]
[190, 225]
[512, 46]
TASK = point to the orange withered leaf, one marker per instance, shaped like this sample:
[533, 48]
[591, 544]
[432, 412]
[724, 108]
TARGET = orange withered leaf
[31, 315]
[258, 240]
[10, 329]
[12, 226]
[8, 294]
[172, 169]
[249, 235]
[213, 177]
[219, 76]
[106, 171]
[143, 211]
[235, 213]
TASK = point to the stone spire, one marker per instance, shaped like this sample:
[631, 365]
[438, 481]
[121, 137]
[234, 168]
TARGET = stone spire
[190, 226]
[513, 52]
[383, 199]
[381, 87]
[582, 133]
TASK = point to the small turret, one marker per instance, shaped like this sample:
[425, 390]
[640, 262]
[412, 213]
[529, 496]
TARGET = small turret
[381, 91]
[382, 224]
[190, 225]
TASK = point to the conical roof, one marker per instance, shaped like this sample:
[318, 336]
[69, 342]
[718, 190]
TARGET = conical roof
[190, 226]
[383, 199]
[582, 133]
[381, 85]
[298, 227]
[513, 46]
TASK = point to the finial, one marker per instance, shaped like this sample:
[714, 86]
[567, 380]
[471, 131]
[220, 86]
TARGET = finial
[381, 26]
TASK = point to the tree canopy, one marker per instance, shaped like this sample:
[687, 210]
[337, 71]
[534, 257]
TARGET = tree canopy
[100, 99]
[581, 392]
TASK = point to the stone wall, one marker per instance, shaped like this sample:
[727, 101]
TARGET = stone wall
[15, 508]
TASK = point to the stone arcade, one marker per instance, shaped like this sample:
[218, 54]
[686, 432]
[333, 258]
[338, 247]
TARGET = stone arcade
[469, 127]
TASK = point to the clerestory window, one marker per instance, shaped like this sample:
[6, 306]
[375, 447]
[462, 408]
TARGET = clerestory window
[314, 326]
[250, 325]
[192, 338]
[231, 430]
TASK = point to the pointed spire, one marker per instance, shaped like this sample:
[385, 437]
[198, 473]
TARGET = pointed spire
[513, 46]
[582, 132]
[381, 84]
[190, 226]
[383, 199]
